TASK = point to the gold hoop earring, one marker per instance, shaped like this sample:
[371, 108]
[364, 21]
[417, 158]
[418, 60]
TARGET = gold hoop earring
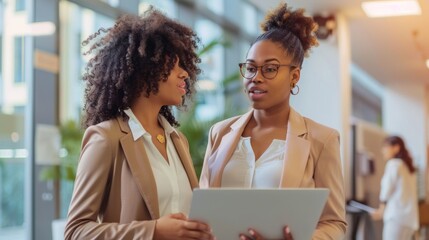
[293, 87]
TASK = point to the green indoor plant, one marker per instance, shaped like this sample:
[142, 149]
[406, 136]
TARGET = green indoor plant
[71, 138]
[197, 130]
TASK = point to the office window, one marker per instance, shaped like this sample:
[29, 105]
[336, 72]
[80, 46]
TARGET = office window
[19, 5]
[18, 59]
[77, 24]
[214, 6]
[365, 105]
[168, 7]
[1, 69]
[113, 3]
[210, 94]
[13, 151]
[250, 21]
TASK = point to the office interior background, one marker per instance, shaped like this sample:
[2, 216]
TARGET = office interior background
[368, 78]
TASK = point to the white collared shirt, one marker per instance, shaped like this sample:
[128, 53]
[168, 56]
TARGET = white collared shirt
[172, 183]
[243, 171]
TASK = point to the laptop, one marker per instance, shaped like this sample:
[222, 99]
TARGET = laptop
[231, 211]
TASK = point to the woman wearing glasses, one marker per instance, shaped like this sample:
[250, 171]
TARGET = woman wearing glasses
[272, 145]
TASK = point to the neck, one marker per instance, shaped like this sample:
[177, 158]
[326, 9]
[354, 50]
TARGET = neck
[147, 113]
[272, 118]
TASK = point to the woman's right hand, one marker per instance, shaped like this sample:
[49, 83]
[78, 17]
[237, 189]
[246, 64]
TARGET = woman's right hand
[254, 235]
[177, 226]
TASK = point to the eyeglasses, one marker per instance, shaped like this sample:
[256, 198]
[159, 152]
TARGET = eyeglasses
[269, 71]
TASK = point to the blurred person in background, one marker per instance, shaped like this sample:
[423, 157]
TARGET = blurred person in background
[398, 195]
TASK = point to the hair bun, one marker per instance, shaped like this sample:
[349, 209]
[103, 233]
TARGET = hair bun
[283, 18]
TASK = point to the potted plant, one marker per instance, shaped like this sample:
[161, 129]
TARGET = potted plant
[65, 172]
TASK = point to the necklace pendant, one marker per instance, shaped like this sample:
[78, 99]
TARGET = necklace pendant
[160, 138]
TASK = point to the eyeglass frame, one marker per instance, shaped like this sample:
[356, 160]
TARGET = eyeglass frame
[262, 72]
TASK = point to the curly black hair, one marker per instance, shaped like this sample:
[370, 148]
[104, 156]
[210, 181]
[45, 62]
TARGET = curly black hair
[131, 58]
[292, 30]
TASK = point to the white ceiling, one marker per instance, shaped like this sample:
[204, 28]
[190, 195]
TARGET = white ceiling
[383, 47]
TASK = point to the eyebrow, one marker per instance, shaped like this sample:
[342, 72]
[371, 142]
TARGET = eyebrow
[268, 60]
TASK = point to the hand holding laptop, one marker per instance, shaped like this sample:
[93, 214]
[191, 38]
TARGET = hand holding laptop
[231, 213]
[256, 236]
[168, 226]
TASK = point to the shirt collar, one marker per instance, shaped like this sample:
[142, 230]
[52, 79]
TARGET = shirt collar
[137, 130]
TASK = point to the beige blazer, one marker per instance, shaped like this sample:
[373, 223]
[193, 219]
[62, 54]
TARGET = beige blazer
[115, 194]
[312, 160]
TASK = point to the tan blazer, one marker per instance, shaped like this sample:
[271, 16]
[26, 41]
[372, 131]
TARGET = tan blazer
[312, 159]
[115, 194]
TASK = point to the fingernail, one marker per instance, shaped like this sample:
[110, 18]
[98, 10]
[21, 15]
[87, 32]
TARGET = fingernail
[252, 232]
[287, 230]
[242, 237]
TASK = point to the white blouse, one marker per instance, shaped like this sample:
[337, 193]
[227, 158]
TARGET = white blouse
[243, 171]
[399, 191]
[172, 183]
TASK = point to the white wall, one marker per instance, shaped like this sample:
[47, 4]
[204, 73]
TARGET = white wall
[404, 114]
[319, 86]
[325, 89]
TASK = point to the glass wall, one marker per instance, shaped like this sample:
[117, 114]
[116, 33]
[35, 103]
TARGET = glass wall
[77, 24]
[166, 6]
[13, 102]
[210, 98]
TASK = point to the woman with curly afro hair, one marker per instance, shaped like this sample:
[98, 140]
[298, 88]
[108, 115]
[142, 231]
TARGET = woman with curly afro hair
[273, 146]
[135, 175]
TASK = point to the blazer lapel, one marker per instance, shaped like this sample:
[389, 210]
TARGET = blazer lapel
[185, 158]
[140, 168]
[296, 153]
[227, 147]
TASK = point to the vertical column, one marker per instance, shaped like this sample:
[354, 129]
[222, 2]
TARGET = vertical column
[45, 92]
[426, 179]
[344, 43]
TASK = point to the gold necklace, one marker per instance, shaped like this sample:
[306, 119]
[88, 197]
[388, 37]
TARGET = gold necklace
[160, 138]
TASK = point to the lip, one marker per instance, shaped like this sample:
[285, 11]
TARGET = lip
[182, 88]
[256, 93]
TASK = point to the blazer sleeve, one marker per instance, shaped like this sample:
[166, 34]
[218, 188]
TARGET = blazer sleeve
[328, 174]
[91, 190]
[205, 174]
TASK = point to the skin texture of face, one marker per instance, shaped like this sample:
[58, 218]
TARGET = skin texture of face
[270, 94]
[171, 91]
[389, 151]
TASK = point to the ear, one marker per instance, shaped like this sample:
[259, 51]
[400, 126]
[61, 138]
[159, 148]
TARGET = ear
[295, 75]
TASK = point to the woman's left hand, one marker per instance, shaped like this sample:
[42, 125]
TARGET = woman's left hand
[254, 235]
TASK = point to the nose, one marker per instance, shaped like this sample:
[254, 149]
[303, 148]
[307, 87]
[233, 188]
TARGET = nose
[258, 76]
[183, 73]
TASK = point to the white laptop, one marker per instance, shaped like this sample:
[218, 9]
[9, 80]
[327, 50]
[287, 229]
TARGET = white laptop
[231, 211]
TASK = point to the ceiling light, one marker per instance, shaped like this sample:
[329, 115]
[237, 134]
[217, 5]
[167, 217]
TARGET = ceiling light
[391, 8]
